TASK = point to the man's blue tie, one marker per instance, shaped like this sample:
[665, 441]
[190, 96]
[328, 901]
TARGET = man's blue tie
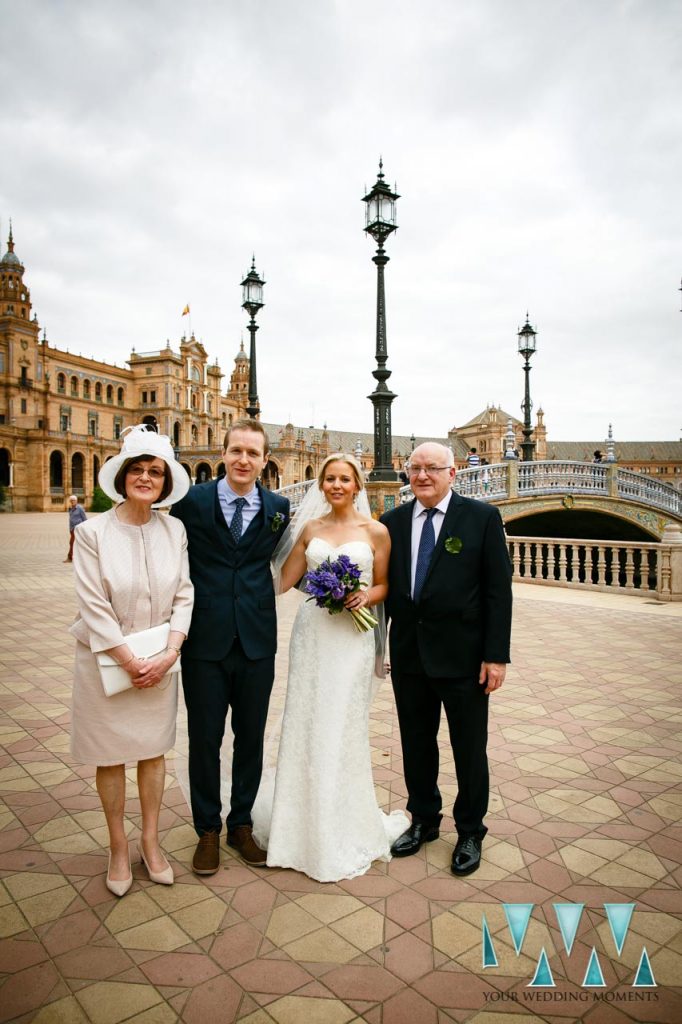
[237, 523]
[427, 543]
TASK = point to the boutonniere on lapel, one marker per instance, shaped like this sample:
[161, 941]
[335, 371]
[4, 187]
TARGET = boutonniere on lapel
[453, 545]
[278, 522]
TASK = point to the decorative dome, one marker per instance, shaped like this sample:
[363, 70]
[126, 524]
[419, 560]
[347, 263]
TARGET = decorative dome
[10, 258]
[241, 356]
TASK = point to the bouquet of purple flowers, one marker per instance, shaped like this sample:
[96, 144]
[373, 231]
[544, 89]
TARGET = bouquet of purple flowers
[330, 584]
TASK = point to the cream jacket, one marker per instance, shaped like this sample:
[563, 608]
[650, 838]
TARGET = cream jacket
[108, 558]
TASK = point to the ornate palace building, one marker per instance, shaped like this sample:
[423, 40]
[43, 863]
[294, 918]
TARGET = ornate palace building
[61, 416]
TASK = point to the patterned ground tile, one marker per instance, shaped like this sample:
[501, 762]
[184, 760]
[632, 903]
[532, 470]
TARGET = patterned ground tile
[585, 745]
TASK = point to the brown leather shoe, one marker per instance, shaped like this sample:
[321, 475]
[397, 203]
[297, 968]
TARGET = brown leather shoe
[241, 839]
[206, 860]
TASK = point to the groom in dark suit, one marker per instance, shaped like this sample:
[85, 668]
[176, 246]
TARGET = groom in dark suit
[228, 660]
[449, 604]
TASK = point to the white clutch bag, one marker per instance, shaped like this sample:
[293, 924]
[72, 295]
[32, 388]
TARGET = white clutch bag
[145, 644]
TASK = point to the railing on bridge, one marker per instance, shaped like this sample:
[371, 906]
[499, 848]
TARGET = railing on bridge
[522, 479]
[295, 493]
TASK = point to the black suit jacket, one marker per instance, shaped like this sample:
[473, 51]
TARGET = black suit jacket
[233, 591]
[463, 616]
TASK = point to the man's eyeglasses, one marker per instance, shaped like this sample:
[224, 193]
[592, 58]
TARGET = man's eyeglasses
[429, 470]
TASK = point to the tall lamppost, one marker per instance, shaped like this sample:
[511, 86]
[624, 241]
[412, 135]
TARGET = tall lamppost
[526, 338]
[252, 301]
[380, 223]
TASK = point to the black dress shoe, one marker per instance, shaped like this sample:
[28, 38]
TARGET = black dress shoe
[467, 856]
[411, 840]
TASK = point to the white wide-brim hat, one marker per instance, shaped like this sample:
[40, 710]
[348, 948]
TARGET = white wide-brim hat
[138, 441]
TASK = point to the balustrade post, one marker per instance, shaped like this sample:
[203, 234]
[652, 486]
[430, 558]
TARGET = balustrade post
[669, 564]
[512, 478]
[612, 480]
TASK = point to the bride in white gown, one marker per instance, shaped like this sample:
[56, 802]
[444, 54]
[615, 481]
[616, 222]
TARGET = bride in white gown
[324, 819]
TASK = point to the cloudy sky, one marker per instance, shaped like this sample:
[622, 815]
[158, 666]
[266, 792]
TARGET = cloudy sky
[150, 147]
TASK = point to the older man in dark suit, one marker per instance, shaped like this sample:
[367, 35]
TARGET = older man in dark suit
[449, 605]
[228, 660]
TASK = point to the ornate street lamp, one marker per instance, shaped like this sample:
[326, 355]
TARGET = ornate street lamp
[252, 301]
[526, 338]
[380, 223]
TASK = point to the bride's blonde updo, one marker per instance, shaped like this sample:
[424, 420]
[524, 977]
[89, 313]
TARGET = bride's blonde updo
[350, 460]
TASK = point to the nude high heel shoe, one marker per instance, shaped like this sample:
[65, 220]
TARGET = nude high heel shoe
[119, 887]
[164, 877]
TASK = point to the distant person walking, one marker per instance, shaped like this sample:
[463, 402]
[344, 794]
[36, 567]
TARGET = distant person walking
[597, 456]
[76, 515]
[473, 458]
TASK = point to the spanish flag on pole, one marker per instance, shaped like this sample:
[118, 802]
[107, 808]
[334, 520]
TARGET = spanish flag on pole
[185, 311]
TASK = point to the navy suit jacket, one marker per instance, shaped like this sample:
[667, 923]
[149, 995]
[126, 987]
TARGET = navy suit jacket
[463, 615]
[233, 591]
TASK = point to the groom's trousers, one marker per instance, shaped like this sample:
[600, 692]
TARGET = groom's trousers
[418, 700]
[242, 685]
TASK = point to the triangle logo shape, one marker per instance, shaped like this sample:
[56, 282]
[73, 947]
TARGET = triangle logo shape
[619, 915]
[489, 955]
[518, 916]
[594, 977]
[644, 978]
[543, 973]
[568, 915]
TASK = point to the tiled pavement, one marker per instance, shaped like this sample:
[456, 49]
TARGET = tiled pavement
[585, 755]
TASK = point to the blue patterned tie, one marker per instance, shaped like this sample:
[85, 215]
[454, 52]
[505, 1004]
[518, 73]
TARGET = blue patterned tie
[237, 523]
[427, 543]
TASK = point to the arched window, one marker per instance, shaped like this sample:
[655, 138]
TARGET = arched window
[209, 437]
[309, 474]
[61, 383]
[77, 472]
[95, 470]
[56, 471]
[203, 472]
[176, 434]
[110, 394]
[194, 401]
[195, 433]
[74, 386]
[271, 476]
[120, 396]
[86, 389]
[98, 392]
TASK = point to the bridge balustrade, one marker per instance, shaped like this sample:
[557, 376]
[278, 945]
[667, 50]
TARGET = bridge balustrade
[588, 564]
[639, 487]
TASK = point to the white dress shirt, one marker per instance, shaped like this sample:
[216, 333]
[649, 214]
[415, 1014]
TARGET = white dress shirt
[227, 498]
[418, 520]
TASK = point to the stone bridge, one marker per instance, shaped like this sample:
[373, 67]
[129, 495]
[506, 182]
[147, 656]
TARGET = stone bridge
[521, 489]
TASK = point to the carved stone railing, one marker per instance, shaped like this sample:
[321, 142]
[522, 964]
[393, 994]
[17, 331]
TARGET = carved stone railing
[626, 566]
[515, 479]
[295, 493]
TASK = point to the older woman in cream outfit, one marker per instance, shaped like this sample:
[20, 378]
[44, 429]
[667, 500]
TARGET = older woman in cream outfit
[131, 573]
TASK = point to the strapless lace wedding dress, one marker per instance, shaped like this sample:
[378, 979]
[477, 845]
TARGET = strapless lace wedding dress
[324, 819]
